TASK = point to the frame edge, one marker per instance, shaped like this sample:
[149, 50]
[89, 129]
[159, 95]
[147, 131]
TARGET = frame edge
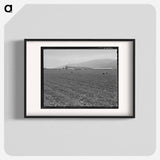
[25, 76]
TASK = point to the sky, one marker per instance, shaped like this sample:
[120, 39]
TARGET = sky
[54, 58]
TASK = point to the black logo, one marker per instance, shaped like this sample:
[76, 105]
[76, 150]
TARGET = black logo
[8, 8]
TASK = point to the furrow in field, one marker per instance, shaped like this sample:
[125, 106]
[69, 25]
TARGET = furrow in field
[74, 94]
[58, 97]
[84, 94]
[80, 88]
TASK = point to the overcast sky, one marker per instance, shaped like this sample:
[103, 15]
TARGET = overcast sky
[54, 58]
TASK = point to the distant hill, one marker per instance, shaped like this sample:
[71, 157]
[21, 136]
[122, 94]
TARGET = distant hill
[93, 64]
[96, 64]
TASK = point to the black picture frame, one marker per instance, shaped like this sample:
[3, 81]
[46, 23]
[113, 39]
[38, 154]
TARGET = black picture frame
[25, 76]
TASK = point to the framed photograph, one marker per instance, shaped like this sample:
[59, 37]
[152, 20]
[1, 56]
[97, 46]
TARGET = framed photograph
[79, 78]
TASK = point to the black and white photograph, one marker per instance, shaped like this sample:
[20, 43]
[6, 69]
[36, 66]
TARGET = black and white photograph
[79, 77]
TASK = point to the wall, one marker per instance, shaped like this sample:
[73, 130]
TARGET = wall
[81, 136]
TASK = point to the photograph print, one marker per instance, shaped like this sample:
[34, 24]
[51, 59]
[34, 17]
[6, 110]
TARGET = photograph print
[79, 77]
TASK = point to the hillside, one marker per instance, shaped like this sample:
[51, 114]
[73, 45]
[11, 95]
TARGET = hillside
[96, 64]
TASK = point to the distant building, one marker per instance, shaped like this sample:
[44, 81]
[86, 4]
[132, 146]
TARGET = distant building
[75, 68]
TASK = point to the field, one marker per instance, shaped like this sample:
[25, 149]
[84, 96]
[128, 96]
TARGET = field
[80, 88]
